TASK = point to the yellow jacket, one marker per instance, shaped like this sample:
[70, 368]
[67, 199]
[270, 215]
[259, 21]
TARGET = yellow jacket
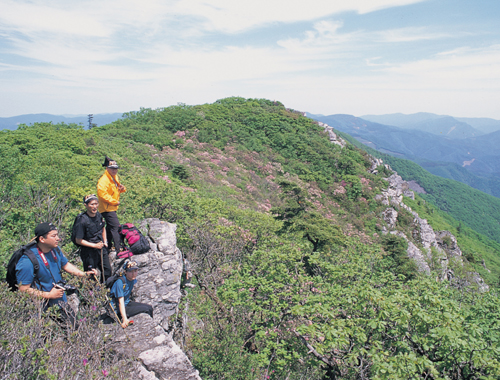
[108, 193]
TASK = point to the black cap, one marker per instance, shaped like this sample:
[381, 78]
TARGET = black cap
[109, 163]
[44, 228]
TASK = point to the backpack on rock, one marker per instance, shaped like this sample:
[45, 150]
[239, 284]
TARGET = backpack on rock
[132, 236]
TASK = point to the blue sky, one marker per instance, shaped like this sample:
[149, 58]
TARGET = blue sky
[322, 56]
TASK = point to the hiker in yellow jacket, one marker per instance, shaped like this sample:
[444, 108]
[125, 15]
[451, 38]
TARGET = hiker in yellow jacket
[109, 189]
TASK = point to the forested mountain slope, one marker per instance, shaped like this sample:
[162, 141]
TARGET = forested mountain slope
[297, 277]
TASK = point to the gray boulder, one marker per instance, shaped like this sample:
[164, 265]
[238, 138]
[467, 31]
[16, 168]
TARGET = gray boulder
[149, 340]
[391, 217]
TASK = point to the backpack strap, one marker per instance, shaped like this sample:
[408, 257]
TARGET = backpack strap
[36, 265]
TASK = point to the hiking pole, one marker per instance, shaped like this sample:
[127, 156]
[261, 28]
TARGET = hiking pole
[102, 267]
[112, 308]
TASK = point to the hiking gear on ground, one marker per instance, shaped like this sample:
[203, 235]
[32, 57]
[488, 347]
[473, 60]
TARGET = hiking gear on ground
[124, 254]
[137, 242]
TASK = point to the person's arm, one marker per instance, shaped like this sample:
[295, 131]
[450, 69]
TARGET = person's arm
[121, 188]
[121, 306]
[71, 269]
[54, 293]
[86, 243]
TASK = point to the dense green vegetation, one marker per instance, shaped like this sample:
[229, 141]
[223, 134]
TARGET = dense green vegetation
[458, 208]
[295, 278]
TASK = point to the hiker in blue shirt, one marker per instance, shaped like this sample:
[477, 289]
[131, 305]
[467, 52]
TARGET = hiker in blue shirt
[121, 291]
[51, 261]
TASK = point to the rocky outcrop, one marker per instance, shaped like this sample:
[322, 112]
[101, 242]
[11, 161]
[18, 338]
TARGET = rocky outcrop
[437, 247]
[377, 162]
[396, 189]
[158, 284]
[419, 258]
[390, 217]
[334, 138]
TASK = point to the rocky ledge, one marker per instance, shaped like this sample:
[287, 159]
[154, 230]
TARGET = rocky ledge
[443, 243]
[158, 284]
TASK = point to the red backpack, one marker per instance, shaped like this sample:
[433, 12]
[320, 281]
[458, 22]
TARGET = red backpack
[133, 238]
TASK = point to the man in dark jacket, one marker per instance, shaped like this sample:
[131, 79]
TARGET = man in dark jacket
[90, 235]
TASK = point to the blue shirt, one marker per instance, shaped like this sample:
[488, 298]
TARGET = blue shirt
[47, 276]
[122, 288]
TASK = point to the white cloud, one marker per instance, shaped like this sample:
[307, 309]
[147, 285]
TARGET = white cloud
[461, 69]
[409, 35]
[102, 18]
[118, 55]
[234, 16]
[40, 17]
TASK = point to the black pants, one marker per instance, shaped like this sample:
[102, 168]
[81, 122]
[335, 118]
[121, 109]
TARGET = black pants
[134, 308]
[91, 257]
[112, 225]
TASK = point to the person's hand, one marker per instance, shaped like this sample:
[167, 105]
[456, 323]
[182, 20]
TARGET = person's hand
[125, 322]
[99, 245]
[55, 292]
[121, 187]
[91, 272]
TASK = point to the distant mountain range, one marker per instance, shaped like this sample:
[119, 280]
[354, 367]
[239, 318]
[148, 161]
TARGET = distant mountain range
[453, 127]
[443, 145]
[99, 119]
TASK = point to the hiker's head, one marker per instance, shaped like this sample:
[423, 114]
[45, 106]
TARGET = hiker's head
[110, 165]
[131, 270]
[91, 204]
[47, 235]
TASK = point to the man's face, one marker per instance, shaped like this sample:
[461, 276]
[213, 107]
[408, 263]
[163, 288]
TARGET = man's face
[111, 171]
[92, 207]
[51, 240]
[131, 274]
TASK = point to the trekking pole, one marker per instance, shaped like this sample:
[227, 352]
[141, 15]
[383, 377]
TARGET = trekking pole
[112, 308]
[102, 267]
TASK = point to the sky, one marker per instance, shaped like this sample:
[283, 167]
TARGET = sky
[321, 56]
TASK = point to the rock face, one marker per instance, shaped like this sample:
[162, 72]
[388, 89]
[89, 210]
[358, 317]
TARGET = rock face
[390, 216]
[438, 247]
[334, 139]
[158, 284]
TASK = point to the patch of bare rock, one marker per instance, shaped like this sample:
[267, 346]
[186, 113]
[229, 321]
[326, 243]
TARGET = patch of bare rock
[158, 284]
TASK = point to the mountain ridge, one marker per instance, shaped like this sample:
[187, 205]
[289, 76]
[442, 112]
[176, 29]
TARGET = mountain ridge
[13, 122]
[477, 154]
[298, 241]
